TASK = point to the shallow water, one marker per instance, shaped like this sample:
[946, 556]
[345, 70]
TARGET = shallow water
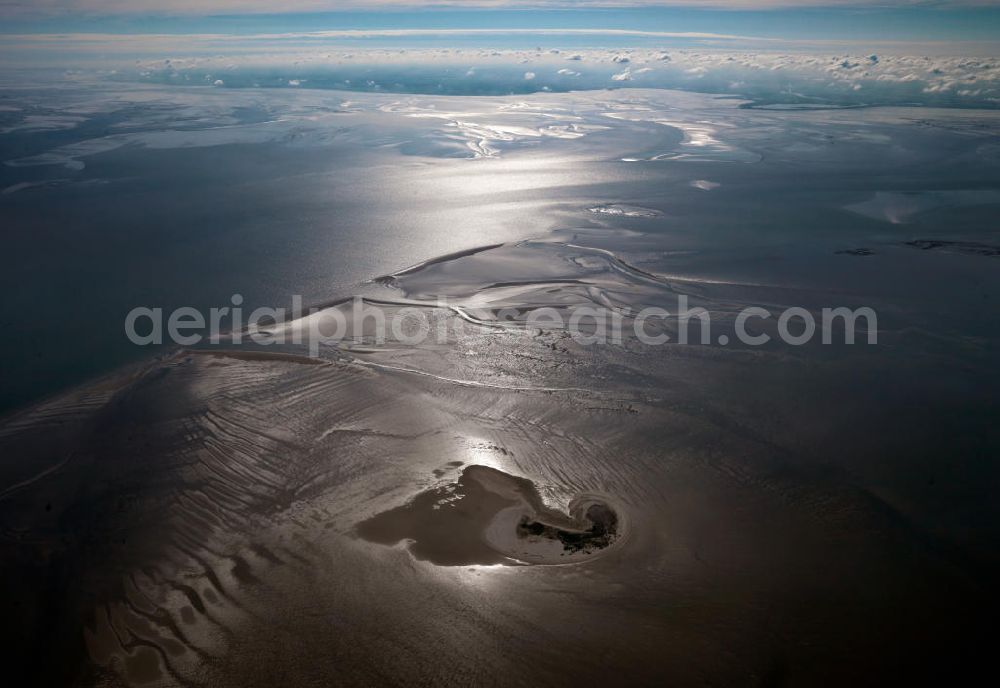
[198, 519]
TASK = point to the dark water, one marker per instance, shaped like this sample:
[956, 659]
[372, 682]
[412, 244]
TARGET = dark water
[322, 201]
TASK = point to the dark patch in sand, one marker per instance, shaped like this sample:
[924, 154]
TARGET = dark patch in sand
[600, 534]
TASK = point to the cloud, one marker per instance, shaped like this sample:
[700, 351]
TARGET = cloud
[767, 77]
[766, 70]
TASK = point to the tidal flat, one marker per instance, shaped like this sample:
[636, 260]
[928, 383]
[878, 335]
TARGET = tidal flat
[714, 513]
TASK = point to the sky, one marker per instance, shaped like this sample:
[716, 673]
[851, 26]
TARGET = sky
[268, 6]
[916, 20]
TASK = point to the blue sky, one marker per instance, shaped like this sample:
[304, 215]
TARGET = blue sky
[846, 19]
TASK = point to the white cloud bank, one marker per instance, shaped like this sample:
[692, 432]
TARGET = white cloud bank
[766, 71]
[800, 79]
